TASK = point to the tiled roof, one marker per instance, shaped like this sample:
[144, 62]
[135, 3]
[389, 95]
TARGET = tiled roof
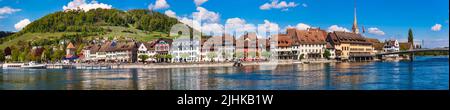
[247, 40]
[347, 37]
[94, 48]
[284, 40]
[309, 36]
[123, 46]
[373, 40]
[105, 47]
[378, 46]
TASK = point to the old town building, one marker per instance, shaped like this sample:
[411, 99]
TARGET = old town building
[351, 46]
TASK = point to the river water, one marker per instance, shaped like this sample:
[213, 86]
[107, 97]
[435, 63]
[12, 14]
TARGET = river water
[425, 73]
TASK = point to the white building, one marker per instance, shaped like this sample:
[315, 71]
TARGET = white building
[282, 46]
[391, 46]
[332, 50]
[222, 46]
[308, 44]
[146, 49]
[111, 52]
[185, 50]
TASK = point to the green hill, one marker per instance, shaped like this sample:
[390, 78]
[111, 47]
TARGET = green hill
[142, 25]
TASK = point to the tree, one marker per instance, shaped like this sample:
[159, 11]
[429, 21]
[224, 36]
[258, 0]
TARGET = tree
[211, 55]
[302, 56]
[57, 55]
[411, 37]
[184, 56]
[23, 56]
[143, 58]
[252, 54]
[14, 54]
[168, 57]
[2, 56]
[46, 55]
[266, 54]
[327, 54]
[157, 57]
[227, 55]
[239, 55]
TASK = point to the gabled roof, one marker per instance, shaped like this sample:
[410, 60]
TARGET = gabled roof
[123, 46]
[154, 42]
[309, 36]
[247, 40]
[329, 46]
[105, 47]
[347, 37]
[70, 46]
[284, 40]
[147, 45]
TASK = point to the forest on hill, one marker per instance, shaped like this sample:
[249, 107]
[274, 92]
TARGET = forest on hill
[79, 27]
[93, 20]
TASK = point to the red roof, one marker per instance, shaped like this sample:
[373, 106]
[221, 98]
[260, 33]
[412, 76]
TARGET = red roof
[70, 46]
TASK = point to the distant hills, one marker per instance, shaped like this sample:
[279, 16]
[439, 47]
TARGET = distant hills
[109, 23]
[5, 34]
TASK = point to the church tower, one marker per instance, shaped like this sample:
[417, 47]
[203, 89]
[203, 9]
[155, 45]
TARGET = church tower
[355, 28]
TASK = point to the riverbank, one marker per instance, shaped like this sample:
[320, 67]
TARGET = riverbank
[197, 65]
[426, 73]
[190, 65]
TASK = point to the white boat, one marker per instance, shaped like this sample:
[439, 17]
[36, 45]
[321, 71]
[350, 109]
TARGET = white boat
[30, 65]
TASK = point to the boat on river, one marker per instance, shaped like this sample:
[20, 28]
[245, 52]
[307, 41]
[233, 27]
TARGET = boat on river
[29, 65]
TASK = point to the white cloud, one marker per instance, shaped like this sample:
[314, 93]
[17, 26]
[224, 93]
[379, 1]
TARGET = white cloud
[159, 4]
[83, 5]
[192, 23]
[235, 21]
[436, 27]
[212, 29]
[205, 15]
[265, 6]
[376, 31]
[269, 26]
[21, 24]
[8, 10]
[275, 4]
[239, 26]
[202, 19]
[305, 5]
[299, 26]
[302, 26]
[170, 13]
[199, 2]
[205, 28]
[337, 28]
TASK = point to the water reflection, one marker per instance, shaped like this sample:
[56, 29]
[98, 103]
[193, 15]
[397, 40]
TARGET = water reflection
[424, 73]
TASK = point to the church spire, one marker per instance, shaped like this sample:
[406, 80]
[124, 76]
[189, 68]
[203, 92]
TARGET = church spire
[355, 28]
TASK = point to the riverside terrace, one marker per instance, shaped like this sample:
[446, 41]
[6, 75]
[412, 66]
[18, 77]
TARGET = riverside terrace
[297, 45]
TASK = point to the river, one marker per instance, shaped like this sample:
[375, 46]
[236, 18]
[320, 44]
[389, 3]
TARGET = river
[424, 73]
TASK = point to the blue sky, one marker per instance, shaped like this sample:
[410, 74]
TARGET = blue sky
[386, 18]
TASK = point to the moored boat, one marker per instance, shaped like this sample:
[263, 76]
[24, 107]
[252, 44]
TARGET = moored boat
[30, 65]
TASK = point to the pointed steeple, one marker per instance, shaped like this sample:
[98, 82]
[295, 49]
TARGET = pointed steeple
[355, 28]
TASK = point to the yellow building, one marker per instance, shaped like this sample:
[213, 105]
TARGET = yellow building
[351, 46]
